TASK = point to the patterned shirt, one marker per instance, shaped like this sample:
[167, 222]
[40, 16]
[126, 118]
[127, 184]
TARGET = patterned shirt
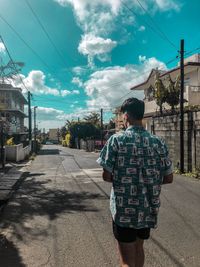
[138, 161]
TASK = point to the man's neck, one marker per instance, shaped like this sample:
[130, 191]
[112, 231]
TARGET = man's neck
[135, 123]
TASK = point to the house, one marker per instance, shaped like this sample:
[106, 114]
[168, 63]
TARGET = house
[191, 89]
[12, 112]
[53, 136]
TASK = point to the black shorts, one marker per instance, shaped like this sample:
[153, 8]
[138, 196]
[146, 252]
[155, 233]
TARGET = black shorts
[128, 235]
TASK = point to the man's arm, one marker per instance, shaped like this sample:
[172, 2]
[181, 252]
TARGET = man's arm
[168, 179]
[107, 176]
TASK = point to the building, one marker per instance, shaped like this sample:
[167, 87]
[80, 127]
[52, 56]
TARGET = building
[54, 136]
[191, 89]
[12, 112]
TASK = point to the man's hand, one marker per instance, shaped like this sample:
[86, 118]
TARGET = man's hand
[168, 179]
[107, 176]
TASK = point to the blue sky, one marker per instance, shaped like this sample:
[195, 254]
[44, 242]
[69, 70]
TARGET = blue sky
[83, 55]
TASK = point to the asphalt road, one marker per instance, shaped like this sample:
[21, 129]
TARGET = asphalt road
[60, 217]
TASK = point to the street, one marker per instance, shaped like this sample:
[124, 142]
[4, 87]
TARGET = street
[60, 217]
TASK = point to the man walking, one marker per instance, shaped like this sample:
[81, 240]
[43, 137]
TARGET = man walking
[137, 164]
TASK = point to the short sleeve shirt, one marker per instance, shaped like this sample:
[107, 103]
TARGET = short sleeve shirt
[138, 161]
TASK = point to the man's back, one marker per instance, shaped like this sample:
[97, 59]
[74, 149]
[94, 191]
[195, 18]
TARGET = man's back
[136, 163]
[138, 160]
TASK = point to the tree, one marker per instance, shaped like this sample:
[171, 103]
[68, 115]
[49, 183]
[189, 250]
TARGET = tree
[63, 132]
[83, 130]
[94, 118]
[173, 92]
[110, 124]
[159, 92]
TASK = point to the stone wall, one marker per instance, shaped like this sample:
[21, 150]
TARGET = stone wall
[168, 127]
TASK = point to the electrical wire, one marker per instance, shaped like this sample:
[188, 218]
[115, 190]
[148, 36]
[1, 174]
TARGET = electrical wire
[13, 62]
[152, 28]
[25, 43]
[45, 32]
[156, 25]
[36, 54]
[192, 51]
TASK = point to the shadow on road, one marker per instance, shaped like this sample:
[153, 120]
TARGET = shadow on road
[9, 254]
[40, 198]
[49, 152]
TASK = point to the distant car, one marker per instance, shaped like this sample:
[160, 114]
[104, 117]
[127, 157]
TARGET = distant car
[49, 143]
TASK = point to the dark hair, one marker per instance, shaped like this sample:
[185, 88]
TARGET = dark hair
[134, 107]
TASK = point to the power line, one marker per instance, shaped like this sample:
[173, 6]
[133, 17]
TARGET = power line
[152, 28]
[45, 31]
[167, 63]
[112, 86]
[156, 25]
[50, 100]
[13, 62]
[36, 54]
[26, 44]
[192, 51]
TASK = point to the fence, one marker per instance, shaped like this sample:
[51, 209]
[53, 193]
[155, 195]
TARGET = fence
[168, 127]
[90, 145]
[17, 153]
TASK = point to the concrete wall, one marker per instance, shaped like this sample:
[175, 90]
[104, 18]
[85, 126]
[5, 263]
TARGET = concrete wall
[168, 127]
[53, 134]
[88, 145]
[17, 153]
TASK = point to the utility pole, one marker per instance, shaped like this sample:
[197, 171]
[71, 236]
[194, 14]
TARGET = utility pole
[101, 128]
[182, 107]
[2, 144]
[29, 117]
[34, 114]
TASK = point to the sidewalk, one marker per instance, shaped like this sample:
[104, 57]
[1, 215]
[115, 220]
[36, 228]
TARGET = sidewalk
[9, 180]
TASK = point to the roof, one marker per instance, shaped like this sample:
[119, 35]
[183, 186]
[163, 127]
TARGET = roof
[189, 66]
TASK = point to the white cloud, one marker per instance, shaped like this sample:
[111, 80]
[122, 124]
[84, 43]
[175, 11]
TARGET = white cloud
[141, 28]
[2, 48]
[76, 92]
[35, 83]
[77, 80]
[81, 6]
[99, 18]
[166, 5]
[79, 70]
[65, 92]
[93, 45]
[107, 88]
[142, 58]
[44, 113]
